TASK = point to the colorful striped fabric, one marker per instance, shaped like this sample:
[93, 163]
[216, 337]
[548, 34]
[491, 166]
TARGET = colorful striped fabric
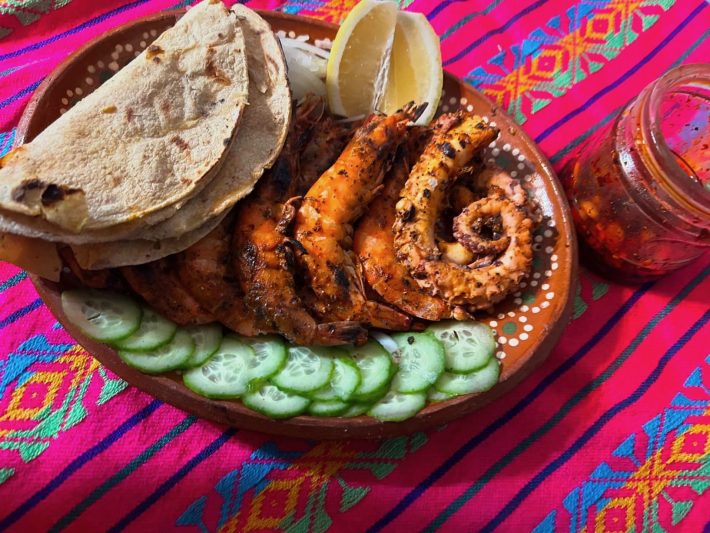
[611, 433]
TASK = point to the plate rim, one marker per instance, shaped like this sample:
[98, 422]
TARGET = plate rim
[234, 413]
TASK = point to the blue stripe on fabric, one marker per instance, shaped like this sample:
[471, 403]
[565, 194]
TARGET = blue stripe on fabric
[72, 31]
[172, 480]
[531, 485]
[20, 313]
[446, 3]
[7, 139]
[504, 27]
[14, 280]
[510, 414]
[27, 90]
[574, 401]
[532, 46]
[683, 25]
[469, 16]
[77, 463]
[579, 140]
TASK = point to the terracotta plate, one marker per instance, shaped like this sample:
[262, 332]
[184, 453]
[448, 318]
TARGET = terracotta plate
[527, 325]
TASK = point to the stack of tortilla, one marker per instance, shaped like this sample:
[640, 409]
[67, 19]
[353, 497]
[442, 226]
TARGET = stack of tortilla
[152, 160]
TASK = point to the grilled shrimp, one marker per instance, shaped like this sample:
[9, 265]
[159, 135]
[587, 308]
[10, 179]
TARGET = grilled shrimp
[323, 222]
[456, 139]
[373, 243]
[205, 269]
[264, 257]
[159, 285]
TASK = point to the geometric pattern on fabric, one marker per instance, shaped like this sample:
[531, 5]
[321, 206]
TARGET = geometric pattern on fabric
[44, 391]
[571, 46]
[653, 478]
[286, 490]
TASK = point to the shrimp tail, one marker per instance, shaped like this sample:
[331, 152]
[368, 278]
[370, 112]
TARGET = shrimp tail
[288, 213]
[344, 332]
[413, 110]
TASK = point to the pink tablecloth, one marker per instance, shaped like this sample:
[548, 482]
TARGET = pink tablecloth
[612, 433]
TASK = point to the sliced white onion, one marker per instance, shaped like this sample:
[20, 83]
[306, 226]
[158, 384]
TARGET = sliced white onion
[306, 67]
[386, 341]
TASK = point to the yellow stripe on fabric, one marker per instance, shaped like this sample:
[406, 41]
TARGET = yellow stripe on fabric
[656, 475]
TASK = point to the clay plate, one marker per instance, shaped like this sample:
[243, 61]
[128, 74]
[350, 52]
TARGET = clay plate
[527, 325]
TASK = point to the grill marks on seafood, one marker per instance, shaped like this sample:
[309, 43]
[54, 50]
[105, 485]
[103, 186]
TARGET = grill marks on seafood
[206, 271]
[442, 237]
[373, 243]
[473, 286]
[159, 285]
[323, 224]
[264, 256]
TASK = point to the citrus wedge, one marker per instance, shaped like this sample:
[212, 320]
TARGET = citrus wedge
[357, 66]
[414, 72]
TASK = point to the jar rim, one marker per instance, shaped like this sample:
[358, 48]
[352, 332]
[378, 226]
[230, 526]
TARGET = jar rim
[698, 76]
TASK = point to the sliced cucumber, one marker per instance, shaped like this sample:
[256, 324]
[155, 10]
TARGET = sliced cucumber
[396, 406]
[207, 339]
[328, 408]
[421, 362]
[307, 369]
[376, 369]
[269, 356]
[477, 381]
[225, 374]
[356, 409]
[102, 315]
[468, 345]
[170, 356]
[275, 403]
[437, 396]
[343, 382]
[153, 332]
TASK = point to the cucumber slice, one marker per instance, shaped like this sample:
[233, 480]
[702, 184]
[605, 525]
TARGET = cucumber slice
[356, 409]
[170, 356]
[153, 332]
[375, 366]
[421, 362]
[307, 369]
[269, 356]
[343, 382]
[102, 315]
[207, 339]
[225, 374]
[275, 403]
[396, 406]
[437, 396]
[477, 381]
[468, 345]
[328, 408]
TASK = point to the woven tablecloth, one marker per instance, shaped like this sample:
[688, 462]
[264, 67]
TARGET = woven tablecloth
[611, 433]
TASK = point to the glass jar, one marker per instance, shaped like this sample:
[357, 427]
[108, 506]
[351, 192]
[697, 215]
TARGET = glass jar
[639, 188]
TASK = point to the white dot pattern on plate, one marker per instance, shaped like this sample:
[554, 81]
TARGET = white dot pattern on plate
[512, 327]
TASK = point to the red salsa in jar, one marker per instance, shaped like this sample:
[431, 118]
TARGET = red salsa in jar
[639, 188]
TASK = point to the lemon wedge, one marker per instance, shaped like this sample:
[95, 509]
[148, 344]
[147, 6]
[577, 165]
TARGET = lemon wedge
[357, 66]
[414, 72]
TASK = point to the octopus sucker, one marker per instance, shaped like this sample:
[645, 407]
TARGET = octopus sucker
[500, 263]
